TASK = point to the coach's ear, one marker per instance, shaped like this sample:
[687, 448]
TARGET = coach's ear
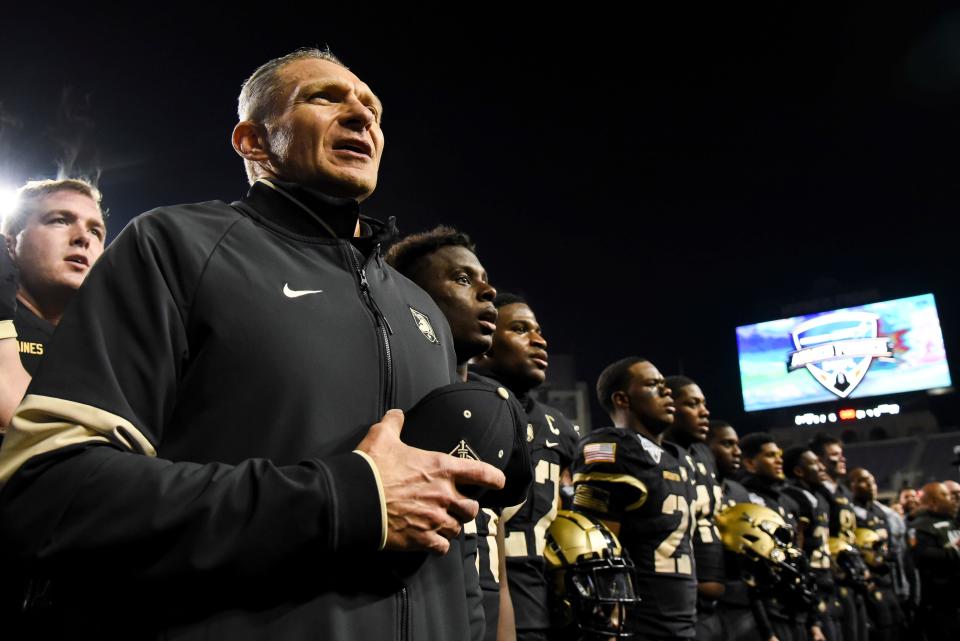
[249, 141]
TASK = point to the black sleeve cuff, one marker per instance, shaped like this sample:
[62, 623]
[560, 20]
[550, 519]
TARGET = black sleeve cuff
[359, 506]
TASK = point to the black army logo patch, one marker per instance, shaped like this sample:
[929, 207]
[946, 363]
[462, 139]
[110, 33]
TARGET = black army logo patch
[423, 324]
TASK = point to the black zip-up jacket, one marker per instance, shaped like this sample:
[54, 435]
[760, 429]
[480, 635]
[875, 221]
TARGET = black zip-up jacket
[182, 465]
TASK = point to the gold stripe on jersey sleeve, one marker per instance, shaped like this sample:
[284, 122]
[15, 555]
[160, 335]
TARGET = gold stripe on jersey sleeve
[626, 479]
[7, 329]
[43, 424]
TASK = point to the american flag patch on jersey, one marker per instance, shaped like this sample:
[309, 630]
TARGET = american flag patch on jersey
[599, 452]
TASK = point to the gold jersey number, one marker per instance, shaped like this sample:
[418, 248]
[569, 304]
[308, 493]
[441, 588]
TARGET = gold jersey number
[663, 556]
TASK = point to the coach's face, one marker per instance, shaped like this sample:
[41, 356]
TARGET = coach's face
[326, 133]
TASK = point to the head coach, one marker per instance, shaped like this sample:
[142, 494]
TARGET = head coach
[195, 459]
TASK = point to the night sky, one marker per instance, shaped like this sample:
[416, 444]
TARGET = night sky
[648, 182]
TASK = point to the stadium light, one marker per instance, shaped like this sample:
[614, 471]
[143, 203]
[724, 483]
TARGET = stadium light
[8, 200]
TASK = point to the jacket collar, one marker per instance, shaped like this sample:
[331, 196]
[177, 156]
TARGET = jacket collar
[310, 214]
[303, 211]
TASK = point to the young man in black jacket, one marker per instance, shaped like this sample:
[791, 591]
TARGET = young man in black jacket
[198, 450]
[48, 243]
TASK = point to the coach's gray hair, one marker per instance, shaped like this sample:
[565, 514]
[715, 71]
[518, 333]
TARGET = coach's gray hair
[258, 95]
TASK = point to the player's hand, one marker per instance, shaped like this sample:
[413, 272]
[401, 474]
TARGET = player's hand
[8, 283]
[424, 508]
[816, 634]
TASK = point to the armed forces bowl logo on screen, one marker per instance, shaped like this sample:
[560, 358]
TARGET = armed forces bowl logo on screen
[880, 348]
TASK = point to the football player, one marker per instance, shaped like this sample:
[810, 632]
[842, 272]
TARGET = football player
[444, 263]
[804, 472]
[689, 430]
[54, 235]
[843, 522]
[518, 360]
[763, 460]
[883, 608]
[642, 487]
[736, 615]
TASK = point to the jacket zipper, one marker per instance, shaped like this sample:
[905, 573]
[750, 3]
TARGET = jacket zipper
[383, 327]
[404, 615]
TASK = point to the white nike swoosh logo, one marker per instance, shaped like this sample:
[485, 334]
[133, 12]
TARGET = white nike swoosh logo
[549, 444]
[297, 293]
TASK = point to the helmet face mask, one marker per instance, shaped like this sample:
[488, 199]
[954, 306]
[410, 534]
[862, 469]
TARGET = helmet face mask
[754, 531]
[848, 563]
[599, 592]
[593, 581]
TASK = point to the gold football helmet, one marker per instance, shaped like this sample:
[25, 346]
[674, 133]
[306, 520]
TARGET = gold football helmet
[765, 542]
[592, 581]
[754, 531]
[848, 563]
[872, 547]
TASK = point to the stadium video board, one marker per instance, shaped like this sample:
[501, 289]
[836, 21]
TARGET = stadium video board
[880, 348]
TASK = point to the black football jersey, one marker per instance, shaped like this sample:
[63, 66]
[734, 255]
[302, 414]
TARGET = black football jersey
[733, 493]
[707, 547]
[813, 512]
[650, 490]
[736, 594]
[484, 528]
[843, 521]
[33, 338]
[763, 492]
[552, 440]
[872, 517]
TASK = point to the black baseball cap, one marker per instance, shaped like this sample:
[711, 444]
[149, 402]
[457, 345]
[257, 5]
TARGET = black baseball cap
[479, 421]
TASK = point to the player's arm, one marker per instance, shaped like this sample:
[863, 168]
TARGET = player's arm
[13, 378]
[606, 485]
[80, 482]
